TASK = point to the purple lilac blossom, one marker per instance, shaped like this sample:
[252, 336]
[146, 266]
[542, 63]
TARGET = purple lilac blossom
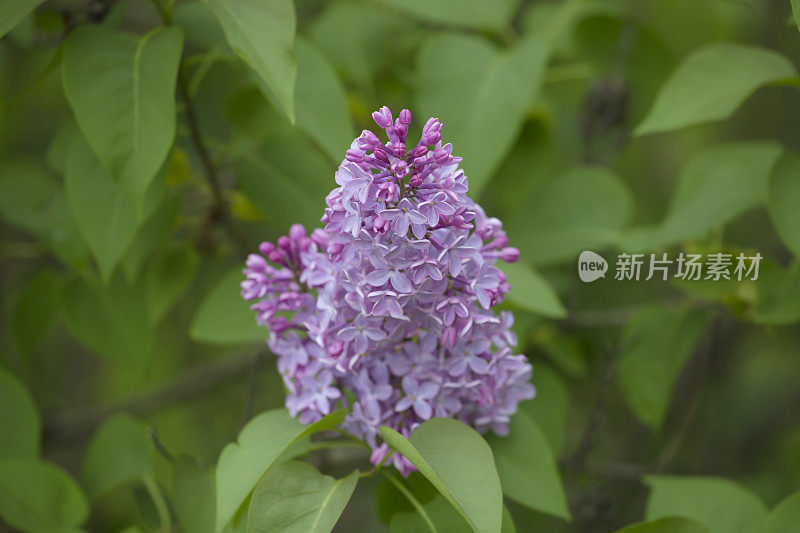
[392, 300]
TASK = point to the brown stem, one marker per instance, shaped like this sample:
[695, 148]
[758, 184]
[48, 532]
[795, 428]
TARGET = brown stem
[219, 210]
[68, 426]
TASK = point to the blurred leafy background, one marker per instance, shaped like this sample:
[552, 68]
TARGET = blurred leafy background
[146, 148]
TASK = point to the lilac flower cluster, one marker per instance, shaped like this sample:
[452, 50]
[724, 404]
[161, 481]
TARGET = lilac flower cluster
[391, 301]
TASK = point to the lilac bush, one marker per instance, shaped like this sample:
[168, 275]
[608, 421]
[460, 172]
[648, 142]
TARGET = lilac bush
[388, 309]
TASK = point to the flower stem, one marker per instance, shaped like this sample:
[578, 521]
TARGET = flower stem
[412, 499]
[164, 520]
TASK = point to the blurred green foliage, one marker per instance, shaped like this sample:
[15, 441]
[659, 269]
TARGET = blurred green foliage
[146, 146]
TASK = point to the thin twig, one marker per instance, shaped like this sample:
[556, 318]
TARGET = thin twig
[219, 210]
[576, 461]
[66, 426]
[249, 396]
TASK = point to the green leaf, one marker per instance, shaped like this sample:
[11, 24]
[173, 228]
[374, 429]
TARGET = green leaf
[531, 292]
[13, 11]
[459, 463]
[480, 93]
[262, 34]
[785, 516]
[284, 176]
[295, 497]
[106, 215]
[153, 232]
[720, 504]
[565, 351]
[391, 501]
[24, 189]
[585, 208]
[366, 45]
[467, 13]
[225, 317]
[21, 425]
[199, 24]
[111, 320]
[783, 199]
[438, 511]
[36, 311]
[262, 441]
[778, 300]
[122, 91]
[711, 83]
[714, 187]
[32, 199]
[796, 12]
[321, 102]
[193, 496]
[655, 347]
[118, 453]
[39, 496]
[528, 471]
[550, 407]
[444, 518]
[167, 277]
[667, 525]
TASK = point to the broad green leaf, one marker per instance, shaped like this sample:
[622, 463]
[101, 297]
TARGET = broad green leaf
[655, 346]
[438, 512]
[19, 438]
[39, 496]
[444, 518]
[583, 209]
[783, 200]
[785, 516]
[531, 292]
[105, 214]
[778, 300]
[168, 275]
[24, 190]
[119, 453]
[33, 200]
[262, 34]
[193, 496]
[262, 441]
[796, 12]
[285, 189]
[199, 24]
[493, 15]
[36, 311]
[111, 320]
[122, 92]
[714, 187]
[13, 11]
[720, 504]
[225, 317]
[667, 525]
[153, 232]
[480, 93]
[391, 501]
[711, 83]
[528, 471]
[564, 350]
[321, 102]
[295, 497]
[550, 407]
[366, 45]
[459, 463]
[284, 176]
